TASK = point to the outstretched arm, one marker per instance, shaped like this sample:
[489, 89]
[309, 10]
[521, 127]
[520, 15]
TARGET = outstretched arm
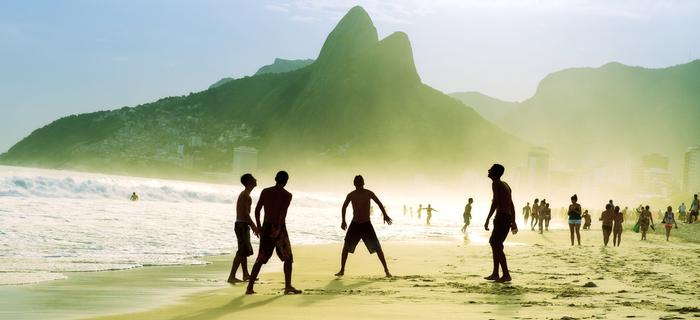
[343, 224]
[381, 207]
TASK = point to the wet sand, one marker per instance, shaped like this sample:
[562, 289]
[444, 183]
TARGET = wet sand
[436, 279]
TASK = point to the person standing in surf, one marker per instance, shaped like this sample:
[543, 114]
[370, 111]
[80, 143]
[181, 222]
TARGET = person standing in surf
[526, 212]
[429, 214]
[502, 206]
[467, 215]
[244, 224]
[361, 226]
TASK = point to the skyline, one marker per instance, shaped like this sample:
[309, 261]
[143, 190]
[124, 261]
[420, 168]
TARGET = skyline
[136, 53]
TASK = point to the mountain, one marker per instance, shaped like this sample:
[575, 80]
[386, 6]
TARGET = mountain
[283, 65]
[614, 111]
[279, 66]
[490, 108]
[359, 107]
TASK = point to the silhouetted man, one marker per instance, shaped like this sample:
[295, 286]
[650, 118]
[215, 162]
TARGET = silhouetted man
[504, 221]
[242, 229]
[467, 215]
[134, 197]
[429, 214]
[361, 225]
[273, 232]
[526, 212]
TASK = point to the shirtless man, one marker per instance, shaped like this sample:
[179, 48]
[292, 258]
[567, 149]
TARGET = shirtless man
[242, 229]
[534, 213]
[429, 214]
[467, 215]
[607, 218]
[361, 225]
[273, 232]
[526, 212]
[504, 221]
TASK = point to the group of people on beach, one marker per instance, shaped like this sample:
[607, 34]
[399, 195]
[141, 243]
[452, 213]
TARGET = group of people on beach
[275, 202]
[273, 233]
[428, 212]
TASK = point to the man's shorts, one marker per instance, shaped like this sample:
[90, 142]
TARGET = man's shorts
[501, 227]
[245, 249]
[363, 231]
[274, 238]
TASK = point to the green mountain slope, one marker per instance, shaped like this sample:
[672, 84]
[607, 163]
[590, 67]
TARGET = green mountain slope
[360, 107]
[284, 65]
[490, 108]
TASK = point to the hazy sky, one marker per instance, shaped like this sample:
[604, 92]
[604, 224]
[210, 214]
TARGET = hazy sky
[64, 57]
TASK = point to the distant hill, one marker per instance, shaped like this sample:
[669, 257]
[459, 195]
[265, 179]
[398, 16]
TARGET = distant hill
[283, 65]
[490, 108]
[614, 111]
[359, 107]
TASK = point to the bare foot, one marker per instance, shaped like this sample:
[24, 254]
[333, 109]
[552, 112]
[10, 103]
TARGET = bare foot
[492, 277]
[249, 291]
[388, 275]
[503, 279]
[340, 274]
[234, 280]
[291, 290]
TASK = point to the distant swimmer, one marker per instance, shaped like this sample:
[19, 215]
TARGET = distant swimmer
[587, 220]
[607, 218]
[534, 213]
[669, 221]
[429, 214]
[361, 226]
[502, 206]
[618, 220]
[575, 219]
[273, 232]
[526, 212]
[134, 197]
[467, 215]
[244, 224]
[645, 220]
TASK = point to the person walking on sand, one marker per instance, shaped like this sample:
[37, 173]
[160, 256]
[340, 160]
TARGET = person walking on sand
[534, 214]
[273, 232]
[467, 215]
[694, 207]
[618, 219]
[587, 220]
[429, 214]
[361, 226]
[244, 224]
[547, 216]
[575, 219]
[502, 205]
[607, 218]
[645, 220]
[669, 221]
[541, 214]
[681, 212]
[526, 212]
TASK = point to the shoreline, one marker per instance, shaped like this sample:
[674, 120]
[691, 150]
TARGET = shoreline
[438, 276]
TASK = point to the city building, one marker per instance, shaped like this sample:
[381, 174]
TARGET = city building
[691, 170]
[245, 160]
[537, 169]
[654, 176]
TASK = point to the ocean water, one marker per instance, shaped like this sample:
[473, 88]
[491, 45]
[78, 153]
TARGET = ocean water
[55, 222]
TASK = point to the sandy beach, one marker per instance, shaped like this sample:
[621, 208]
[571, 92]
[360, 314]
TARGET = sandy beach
[433, 279]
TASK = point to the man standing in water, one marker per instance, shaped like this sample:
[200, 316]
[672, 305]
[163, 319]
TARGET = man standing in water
[429, 214]
[273, 232]
[502, 205]
[526, 212]
[467, 215]
[361, 225]
[242, 229]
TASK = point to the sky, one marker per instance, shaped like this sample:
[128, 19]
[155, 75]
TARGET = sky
[66, 57]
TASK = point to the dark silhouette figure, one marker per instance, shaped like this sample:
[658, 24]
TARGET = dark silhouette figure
[467, 215]
[587, 220]
[504, 221]
[541, 214]
[547, 216]
[669, 221]
[361, 226]
[607, 218]
[535, 214]
[134, 197]
[242, 229]
[526, 212]
[420, 208]
[575, 219]
[273, 232]
[645, 220]
[694, 208]
[429, 214]
[618, 220]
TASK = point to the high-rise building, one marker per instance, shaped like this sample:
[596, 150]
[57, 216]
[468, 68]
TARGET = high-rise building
[654, 176]
[691, 170]
[538, 169]
[245, 160]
